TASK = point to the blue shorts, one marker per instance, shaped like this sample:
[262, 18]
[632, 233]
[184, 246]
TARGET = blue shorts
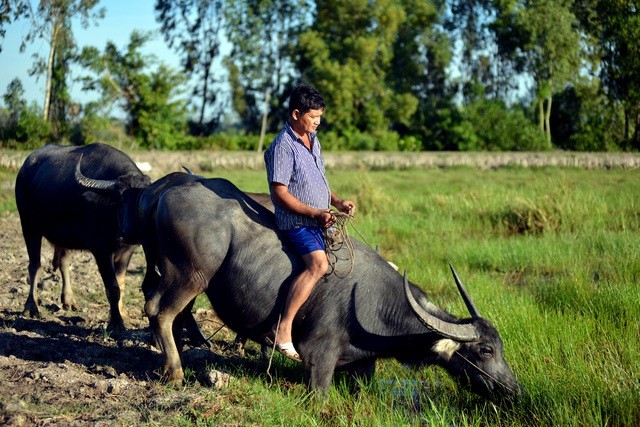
[306, 239]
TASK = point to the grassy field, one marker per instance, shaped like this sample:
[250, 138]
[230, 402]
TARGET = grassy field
[549, 255]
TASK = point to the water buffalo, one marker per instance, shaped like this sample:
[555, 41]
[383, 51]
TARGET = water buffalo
[136, 216]
[213, 238]
[52, 205]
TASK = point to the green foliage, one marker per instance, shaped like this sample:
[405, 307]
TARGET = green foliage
[32, 129]
[614, 30]
[21, 125]
[51, 22]
[587, 121]
[355, 140]
[150, 96]
[260, 65]
[194, 30]
[488, 125]
[424, 70]
[348, 55]
[26, 131]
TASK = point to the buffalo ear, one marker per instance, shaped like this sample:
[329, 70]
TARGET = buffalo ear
[98, 199]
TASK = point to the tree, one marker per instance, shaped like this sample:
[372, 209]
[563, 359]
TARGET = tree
[23, 126]
[14, 99]
[193, 28]
[51, 21]
[10, 11]
[541, 34]
[615, 28]
[421, 57]
[347, 54]
[263, 33]
[481, 71]
[147, 91]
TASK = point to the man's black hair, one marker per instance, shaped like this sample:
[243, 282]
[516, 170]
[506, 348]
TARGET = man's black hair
[304, 98]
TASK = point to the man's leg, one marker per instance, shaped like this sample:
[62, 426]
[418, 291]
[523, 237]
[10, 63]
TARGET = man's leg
[316, 266]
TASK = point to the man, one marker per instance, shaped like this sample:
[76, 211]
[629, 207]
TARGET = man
[301, 195]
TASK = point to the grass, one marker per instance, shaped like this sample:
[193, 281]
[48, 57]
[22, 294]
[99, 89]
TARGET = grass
[7, 195]
[549, 255]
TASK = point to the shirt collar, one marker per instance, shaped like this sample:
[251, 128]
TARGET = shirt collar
[289, 129]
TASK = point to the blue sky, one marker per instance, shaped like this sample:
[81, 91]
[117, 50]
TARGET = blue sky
[121, 18]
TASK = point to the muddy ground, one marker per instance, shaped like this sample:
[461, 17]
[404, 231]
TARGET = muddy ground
[65, 369]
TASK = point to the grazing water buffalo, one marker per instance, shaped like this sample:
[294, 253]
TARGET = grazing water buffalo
[51, 204]
[213, 238]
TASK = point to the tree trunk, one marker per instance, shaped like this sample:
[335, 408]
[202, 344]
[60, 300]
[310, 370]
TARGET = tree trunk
[55, 29]
[635, 143]
[205, 95]
[265, 116]
[541, 114]
[626, 126]
[547, 120]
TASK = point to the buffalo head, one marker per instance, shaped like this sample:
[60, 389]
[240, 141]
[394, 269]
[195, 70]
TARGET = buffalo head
[470, 350]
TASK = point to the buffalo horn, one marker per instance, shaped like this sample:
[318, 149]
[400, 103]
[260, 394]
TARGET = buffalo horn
[465, 296]
[95, 184]
[458, 332]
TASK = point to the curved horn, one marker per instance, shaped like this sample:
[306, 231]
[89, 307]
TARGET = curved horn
[465, 296]
[94, 184]
[459, 332]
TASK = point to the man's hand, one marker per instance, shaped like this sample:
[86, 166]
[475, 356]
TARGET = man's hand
[324, 218]
[347, 206]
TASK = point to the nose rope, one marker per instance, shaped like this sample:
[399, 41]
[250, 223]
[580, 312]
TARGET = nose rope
[485, 373]
[334, 240]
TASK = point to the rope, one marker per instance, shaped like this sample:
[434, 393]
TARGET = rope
[273, 350]
[485, 373]
[335, 238]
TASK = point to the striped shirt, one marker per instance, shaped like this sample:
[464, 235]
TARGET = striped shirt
[290, 163]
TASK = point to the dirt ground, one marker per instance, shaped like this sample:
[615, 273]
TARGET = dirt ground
[64, 369]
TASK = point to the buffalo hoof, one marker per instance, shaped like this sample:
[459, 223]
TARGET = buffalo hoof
[173, 378]
[116, 329]
[70, 306]
[31, 309]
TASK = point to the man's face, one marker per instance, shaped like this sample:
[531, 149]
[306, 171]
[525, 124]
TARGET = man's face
[309, 121]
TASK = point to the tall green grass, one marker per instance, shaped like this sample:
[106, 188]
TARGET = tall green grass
[549, 255]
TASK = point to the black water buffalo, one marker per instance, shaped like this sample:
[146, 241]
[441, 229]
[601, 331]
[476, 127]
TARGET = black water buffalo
[137, 213]
[52, 205]
[213, 238]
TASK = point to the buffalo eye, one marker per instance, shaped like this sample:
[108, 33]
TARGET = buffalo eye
[486, 351]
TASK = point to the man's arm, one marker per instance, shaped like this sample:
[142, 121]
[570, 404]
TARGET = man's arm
[289, 202]
[346, 206]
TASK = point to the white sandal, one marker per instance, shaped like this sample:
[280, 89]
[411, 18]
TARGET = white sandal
[288, 350]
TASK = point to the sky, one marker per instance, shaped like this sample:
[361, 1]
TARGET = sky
[121, 18]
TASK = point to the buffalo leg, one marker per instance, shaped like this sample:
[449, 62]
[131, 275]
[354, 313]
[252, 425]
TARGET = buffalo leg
[162, 326]
[319, 366]
[62, 261]
[193, 329]
[150, 284]
[162, 308]
[151, 276]
[34, 246]
[114, 293]
[121, 259]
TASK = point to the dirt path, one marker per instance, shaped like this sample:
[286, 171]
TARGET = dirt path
[64, 369]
